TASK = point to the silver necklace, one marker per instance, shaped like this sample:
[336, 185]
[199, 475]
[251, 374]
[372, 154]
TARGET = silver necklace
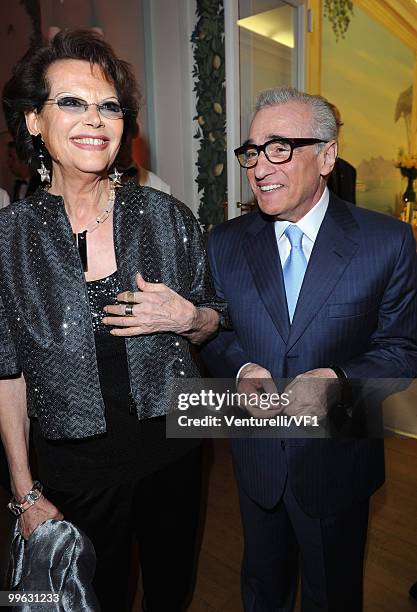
[81, 237]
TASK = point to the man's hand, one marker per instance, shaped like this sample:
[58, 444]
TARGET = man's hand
[254, 380]
[41, 511]
[313, 393]
[156, 308]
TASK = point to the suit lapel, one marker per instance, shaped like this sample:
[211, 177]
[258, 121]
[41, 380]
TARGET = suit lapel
[333, 249]
[261, 251]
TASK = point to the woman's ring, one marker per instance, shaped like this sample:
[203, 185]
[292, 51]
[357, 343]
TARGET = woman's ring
[130, 297]
[129, 310]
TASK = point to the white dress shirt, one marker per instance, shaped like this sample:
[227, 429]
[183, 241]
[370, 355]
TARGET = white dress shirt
[309, 225]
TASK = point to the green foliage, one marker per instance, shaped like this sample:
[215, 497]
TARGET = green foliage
[209, 75]
[338, 12]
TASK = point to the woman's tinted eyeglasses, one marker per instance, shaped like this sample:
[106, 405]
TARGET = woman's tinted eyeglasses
[277, 150]
[110, 109]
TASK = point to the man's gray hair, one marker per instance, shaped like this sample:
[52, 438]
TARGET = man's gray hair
[323, 120]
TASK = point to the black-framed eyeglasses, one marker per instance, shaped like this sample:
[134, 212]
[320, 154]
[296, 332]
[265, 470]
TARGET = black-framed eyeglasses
[277, 150]
[110, 109]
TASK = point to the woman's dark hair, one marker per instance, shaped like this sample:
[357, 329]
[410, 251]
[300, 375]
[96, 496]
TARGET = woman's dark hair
[28, 88]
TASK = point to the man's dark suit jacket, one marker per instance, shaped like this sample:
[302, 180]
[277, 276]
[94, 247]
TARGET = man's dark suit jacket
[342, 181]
[357, 309]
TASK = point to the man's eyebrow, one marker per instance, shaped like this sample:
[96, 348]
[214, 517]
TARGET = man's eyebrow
[277, 137]
[269, 137]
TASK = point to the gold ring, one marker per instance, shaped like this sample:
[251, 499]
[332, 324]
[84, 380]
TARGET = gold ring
[130, 297]
[129, 310]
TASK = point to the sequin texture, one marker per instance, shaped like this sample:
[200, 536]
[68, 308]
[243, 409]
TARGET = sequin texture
[101, 293]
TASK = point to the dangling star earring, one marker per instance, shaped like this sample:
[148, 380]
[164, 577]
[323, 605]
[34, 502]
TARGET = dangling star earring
[43, 170]
[115, 177]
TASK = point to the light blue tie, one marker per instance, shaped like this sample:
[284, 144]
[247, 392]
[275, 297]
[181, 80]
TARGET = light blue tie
[294, 267]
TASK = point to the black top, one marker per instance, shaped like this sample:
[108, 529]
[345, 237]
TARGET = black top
[130, 448]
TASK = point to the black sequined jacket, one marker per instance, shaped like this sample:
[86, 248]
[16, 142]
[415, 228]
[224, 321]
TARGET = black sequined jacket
[45, 322]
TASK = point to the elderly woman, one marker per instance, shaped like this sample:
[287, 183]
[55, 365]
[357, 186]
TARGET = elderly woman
[102, 289]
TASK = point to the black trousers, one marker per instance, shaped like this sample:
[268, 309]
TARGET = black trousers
[162, 512]
[329, 550]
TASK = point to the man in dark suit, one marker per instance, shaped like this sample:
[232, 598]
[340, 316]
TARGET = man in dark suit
[342, 180]
[323, 291]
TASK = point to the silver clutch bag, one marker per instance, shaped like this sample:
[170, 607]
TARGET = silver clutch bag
[57, 558]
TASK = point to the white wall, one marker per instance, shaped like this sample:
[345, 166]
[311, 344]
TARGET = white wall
[171, 102]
